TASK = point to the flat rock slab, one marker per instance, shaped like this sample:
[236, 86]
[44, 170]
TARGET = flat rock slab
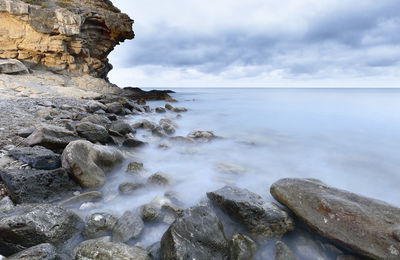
[37, 186]
[38, 157]
[12, 66]
[44, 251]
[363, 225]
[260, 217]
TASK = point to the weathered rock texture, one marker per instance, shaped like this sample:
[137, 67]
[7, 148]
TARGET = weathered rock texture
[366, 226]
[71, 35]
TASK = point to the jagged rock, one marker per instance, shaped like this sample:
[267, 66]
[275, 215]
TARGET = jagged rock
[283, 252]
[97, 120]
[98, 225]
[128, 188]
[261, 218]
[109, 250]
[141, 95]
[129, 226]
[74, 37]
[12, 66]
[51, 137]
[154, 251]
[149, 212]
[115, 108]
[43, 251]
[89, 164]
[133, 143]
[198, 234]
[26, 226]
[366, 226]
[93, 133]
[90, 196]
[158, 179]
[242, 247]
[160, 110]
[36, 186]
[121, 127]
[135, 168]
[38, 157]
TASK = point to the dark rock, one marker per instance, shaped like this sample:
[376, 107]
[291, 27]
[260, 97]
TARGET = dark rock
[128, 188]
[147, 109]
[160, 110]
[179, 109]
[51, 137]
[175, 210]
[360, 224]
[26, 132]
[149, 212]
[158, 179]
[145, 124]
[121, 127]
[283, 252]
[71, 126]
[90, 196]
[198, 234]
[38, 157]
[95, 106]
[168, 106]
[26, 226]
[93, 133]
[97, 120]
[115, 108]
[348, 257]
[36, 186]
[138, 94]
[112, 117]
[154, 251]
[261, 218]
[89, 164]
[43, 251]
[133, 143]
[111, 251]
[78, 116]
[128, 227]
[98, 225]
[242, 247]
[135, 168]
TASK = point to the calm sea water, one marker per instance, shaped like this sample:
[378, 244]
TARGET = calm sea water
[348, 138]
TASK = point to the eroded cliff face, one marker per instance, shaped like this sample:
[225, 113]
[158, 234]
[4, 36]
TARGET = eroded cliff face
[68, 35]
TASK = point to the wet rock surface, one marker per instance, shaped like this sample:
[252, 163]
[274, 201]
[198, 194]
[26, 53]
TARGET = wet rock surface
[283, 252]
[198, 234]
[38, 157]
[129, 226]
[260, 217]
[92, 132]
[99, 225]
[360, 224]
[35, 186]
[242, 247]
[110, 250]
[44, 251]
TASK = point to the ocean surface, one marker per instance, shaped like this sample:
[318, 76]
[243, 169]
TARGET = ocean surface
[347, 138]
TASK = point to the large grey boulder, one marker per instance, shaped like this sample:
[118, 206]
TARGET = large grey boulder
[43, 251]
[26, 226]
[98, 120]
[121, 127]
[38, 157]
[363, 225]
[89, 164]
[52, 137]
[198, 234]
[12, 66]
[129, 226]
[37, 186]
[92, 132]
[111, 251]
[260, 217]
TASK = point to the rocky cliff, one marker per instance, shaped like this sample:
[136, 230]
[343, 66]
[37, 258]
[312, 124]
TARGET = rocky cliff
[66, 36]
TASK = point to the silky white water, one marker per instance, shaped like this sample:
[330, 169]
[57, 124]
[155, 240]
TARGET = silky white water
[348, 138]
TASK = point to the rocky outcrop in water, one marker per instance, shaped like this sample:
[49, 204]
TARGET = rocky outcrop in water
[366, 226]
[68, 35]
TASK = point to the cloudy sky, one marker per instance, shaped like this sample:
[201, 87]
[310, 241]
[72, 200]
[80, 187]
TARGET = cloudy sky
[260, 43]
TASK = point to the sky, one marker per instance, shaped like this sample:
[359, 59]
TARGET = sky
[260, 43]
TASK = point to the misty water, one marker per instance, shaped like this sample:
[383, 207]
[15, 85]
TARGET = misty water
[348, 138]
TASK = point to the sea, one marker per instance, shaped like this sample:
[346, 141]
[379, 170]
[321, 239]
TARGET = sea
[347, 138]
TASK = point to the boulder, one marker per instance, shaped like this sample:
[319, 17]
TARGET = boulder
[89, 164]
[98, 225]
[43, 251]
[127, 188]
[115, 108]
[168, 106]
[160, 110]
[121, 127]
[133, 143]
[37, 186]
[362, 225]
[135, 168]
[202, 136]
[283, 252]
[12, 66]
[111, 251]
[242, 247]
[261, 218]
[26, 226]
[6, 204]
[168, 128]
[198, 234]
[94, 106]
[52, 137]
[90, 196]
[97, 120]
[93, 133]
[129, 226]
[38, 157]
[179, 109]
[149, 212]
[158, 179]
